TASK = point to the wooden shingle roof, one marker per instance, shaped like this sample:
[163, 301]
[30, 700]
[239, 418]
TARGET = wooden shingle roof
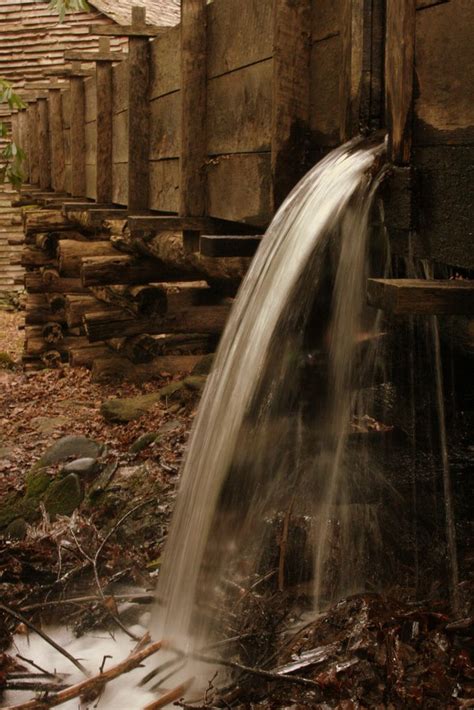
[159, 12]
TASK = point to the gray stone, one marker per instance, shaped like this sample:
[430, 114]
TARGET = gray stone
[63, 496]
[46, 425]
[143, 442]
[204, 365]
[83, 467]
[67, 446]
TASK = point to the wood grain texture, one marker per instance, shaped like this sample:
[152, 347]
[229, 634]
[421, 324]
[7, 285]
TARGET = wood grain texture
[239, 188]
[164, 185]
[405, 296]
[399, 76]
[78, 141]
[193, 97]
[33, 118]
[104, 132]
[326, 19]
[165, 71]
[239, 110]
[24, 141]
[291, 94]
[444, 105]
[165, 118]
[120, 87]
[139, 122]
[90, 98]
[58, 158]
[240, 33]
[325, 91]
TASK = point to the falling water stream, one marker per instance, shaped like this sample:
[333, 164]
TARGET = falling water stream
[263, 445]
[287, 483]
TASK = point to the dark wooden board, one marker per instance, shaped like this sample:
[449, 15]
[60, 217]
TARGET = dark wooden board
[416, 296]
[228, 245]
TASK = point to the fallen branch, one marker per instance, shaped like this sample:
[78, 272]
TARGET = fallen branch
[23, 620]
[171, 695]
[93, 684]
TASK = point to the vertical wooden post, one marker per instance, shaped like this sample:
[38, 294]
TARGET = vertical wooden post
[399, 78]
[104, 125]
[44, 154]
[193, 108]
[33, 140]
[58, 157]
[138, 114]
[78, 136]
[24, 142]
[291, 94]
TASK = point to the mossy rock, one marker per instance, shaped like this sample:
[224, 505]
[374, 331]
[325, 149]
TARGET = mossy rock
[6, 361]
[15, 507]
[143, 442]
[71, 446]
[196, 383]
[129, 408]
[37, 482]
[204, 366]
[64, 496]
[16, 529]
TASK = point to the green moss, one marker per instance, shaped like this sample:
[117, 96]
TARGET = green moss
[64, 496]
[6, 361]
[37, 482]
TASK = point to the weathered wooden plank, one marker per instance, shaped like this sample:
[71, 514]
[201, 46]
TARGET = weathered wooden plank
[165, 117]
[291, 94]
[240, 188]
[416, 296]
[66, 107]
[120, 130]
[44, 155]
[120, 87]
[33, 119]
[90, 136]
[193, 97]
[91, 181]
[444, 106]
[326, 19]
[120, 183]
[165, 223]
[139, 122]
[131, 31]
[240, 33]
[352, 34]
[90, 93]
[164, 185]
[239, 110]
[24, 141]
[78, 148]
[227, 245]
[104, 132]
[58, 158]
[325, 114]
[399, 78]
[165, 70]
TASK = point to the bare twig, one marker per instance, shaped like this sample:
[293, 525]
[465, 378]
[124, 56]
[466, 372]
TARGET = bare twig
[23, 620]
[35, 665]
[92, 684]
[139, 598]
[171, 695]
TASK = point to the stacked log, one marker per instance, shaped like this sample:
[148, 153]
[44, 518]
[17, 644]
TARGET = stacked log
[98, 297]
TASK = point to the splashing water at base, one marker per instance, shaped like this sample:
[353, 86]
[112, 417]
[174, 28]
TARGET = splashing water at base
[268, 445]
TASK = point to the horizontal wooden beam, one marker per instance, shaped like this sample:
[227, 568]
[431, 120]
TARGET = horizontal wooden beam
[420, 297]
[127, 30]
[226, 245]
[164, 223]
[95, 56]
[69, 205]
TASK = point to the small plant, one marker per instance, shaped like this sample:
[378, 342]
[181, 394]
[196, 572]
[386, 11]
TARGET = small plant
[11, 156]
[64, 6]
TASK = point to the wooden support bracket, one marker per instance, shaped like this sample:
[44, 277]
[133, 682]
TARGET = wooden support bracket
[420, 297]
[227, 245]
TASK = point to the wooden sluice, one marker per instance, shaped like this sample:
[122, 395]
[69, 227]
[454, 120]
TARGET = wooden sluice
[166, 164]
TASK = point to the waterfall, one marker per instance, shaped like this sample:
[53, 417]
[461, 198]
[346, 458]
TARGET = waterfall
[265, 447]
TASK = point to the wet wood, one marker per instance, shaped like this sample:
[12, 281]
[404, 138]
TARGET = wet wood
[33, 257]
[291, 94]
[417, 296]
[199, 319]
[78, 305]
[34, 283]
[193, 108]
[399, 78]
[227, 246]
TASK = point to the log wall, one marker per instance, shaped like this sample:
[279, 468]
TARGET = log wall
[263, 127]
